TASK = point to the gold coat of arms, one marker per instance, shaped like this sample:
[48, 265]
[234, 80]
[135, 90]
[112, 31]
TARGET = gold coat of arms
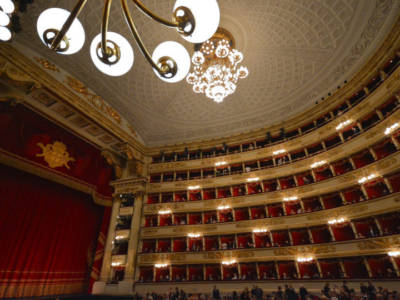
[56, 154]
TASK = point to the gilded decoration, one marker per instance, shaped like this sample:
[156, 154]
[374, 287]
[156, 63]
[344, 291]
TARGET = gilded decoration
[228, 254]
[323, 249]
[56, 155]
[95, 100]
[383, 243]
[47, 64]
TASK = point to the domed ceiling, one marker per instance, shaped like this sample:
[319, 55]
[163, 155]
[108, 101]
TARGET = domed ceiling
[296, 52]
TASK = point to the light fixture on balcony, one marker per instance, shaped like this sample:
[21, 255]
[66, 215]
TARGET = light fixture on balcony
[193, 187]
[223, 207]
[216, 70]
[229, 262]
[196, 21]
[343, 124]
[220, 163]
[194, 235]
[260, 230]
[277, 152]
[394, 253]
[164, 212]
[160, 266]
[367, 178]
[336, 221]
[6, 9]
[305, 259]
[390, 129]
[253, 179]
[116, 264]
[292, 198]
[318, 164]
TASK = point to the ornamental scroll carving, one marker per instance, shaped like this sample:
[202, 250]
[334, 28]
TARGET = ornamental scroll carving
[305, 250]
[55, 155]
[228, 254]
[162, 257]
[383, 243]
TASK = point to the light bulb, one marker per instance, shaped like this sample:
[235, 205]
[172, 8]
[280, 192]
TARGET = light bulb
[54, 18]
[126, 55]
[206, 14]
[4, 19]
[5, 34]
[176, 52]
[7, 6]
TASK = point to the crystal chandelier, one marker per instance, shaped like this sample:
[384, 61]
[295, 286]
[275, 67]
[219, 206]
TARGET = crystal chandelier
[216, 70]
[195, 20]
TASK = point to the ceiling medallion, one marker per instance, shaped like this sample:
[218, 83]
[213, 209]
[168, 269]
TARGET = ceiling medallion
[216, 70]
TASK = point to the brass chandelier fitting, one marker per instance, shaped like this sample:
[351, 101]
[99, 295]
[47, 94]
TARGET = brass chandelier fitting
[195, 21]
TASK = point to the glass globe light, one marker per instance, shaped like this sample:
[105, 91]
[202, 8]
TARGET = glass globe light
[54, 18]
[125, 62]
[5, 34]
[179, 54]
[206, 14]
[4, 19]
[7, 6]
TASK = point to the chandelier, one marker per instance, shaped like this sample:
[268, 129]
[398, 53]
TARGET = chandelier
[195, 20]
[216, 70]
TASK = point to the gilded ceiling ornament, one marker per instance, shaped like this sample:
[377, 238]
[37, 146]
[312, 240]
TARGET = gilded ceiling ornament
[55, 155]
[95, 100]
[46, 64]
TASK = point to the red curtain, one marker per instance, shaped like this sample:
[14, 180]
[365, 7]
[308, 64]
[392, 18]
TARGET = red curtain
[308, 270]
[332, 201]
[280, 238]
[257, 212]
[342, 232]
[211, 243]
[321, 234]
[146, 274]
[48, 234]
[21, 130]
[275, 210]
[195, 272]
[241, 214]
[261, 240]
[395, 182]
[101, 240]
[287, 270]
[312, 204]
[384, 149]
[213, 272]
[300, 237]
[179, 273]
[330, 268]
[381, 266]
[195, 218]
[376, 189]
[293, 208]
[148, 246]
[179, 245]
[164, 245]
[153, 198]
[355, 268]
[267, 270]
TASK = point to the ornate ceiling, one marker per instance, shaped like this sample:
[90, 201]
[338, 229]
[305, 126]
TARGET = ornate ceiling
[296, 51]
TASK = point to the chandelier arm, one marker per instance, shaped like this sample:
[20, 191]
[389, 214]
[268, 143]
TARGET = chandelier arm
[104, 26]
[153, 16]
[138, 40]
[73, 15]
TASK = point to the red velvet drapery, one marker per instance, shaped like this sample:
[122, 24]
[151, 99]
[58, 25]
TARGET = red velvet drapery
[21, 131]
[48, 235]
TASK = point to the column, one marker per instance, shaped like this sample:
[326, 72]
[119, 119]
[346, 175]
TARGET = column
[367, 267]
[353, 227]
[106, 266]
[396, 269]
[310, 235]
[134, 238]
[321, 275]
